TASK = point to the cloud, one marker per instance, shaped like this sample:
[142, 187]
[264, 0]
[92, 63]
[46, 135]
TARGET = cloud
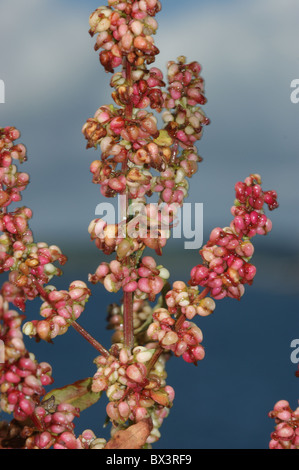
[47, 53]
[249, 55]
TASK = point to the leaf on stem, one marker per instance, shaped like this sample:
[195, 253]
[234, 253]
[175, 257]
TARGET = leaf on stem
[78, 394]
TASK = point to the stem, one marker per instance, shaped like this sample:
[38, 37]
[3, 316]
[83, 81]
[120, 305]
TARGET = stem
[154, 359]
[204, 293]
[174, 152]
[90, 339]
[128, 296]
[128, 320]
[74, 324]
[128, 69]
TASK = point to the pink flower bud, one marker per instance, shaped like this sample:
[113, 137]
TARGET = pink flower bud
[27, 406]
[136, 372]
[67, 440]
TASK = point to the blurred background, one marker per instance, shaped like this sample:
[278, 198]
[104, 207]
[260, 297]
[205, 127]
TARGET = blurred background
[249, 54]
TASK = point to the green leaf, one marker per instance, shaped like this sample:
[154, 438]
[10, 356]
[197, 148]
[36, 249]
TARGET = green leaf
[164, 139]
[78, 394]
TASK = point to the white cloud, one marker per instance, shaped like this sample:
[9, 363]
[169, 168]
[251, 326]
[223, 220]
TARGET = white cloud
[46, 55]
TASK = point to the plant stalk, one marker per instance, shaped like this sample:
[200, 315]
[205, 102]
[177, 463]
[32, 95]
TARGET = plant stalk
[128, 296]
[74, 324]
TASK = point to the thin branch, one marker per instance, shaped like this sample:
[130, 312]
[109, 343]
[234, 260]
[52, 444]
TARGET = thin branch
[90, 339]
[74, 324]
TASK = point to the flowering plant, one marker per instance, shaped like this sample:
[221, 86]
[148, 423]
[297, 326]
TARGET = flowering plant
[137, 160]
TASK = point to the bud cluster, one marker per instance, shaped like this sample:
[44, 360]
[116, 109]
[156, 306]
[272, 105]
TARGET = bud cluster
[27, 261]
[184, 341]
[88, 440]
[226, 256]
[149, 227]
[133, 392]
[187, 300]
[249, 218]
[286, 434]
[22, 378]
[184, 117]
[12, 181]
[124, 30]
[56, 428]
[146, 281]
[22, 385]
[59, 310]
[10, 333]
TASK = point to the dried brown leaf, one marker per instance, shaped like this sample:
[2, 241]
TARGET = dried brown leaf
[132, 438]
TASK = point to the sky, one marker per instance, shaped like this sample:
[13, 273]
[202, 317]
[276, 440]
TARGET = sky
[54, 82]
[249, 55]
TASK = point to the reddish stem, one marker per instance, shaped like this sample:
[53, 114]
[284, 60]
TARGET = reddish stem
[128, 296]
[154, 359]
[128, 320]
[128, 70]
[74, 324]
[90, 339]
[204, 293]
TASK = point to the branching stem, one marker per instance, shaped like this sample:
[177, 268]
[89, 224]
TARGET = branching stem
[74, 324]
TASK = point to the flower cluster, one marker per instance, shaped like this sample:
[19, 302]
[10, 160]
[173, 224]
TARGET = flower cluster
[187, 300]
[36, 424]
[286, 434]
[148, 279]
[22, 385]
[31, 266]
[226, 256]
[128, 135]
[133, 392]
[125, 31]
[149, 227]
[184, 118]
[10, 333]
[56, 428]
[27, 261]
[22, 378]
[88, 440]
[59, 310]
[249, 218]
[184, 341]
[12, 181]
[145, 92]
